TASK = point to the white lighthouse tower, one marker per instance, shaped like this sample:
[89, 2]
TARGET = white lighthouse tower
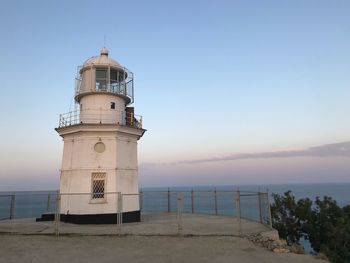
[100, 145]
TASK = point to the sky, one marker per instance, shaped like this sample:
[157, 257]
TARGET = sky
[231, 92]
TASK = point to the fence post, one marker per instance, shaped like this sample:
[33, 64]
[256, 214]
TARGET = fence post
[269, 207]
[120, 212]
[192, 200]
[57, 213]
[48, 202]
[215, 202]
[12, 206]
[168, 199]
[260, 208]
[179, 200]
[238, 209]
[141, 200]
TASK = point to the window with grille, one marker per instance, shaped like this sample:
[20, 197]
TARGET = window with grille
[98, 185]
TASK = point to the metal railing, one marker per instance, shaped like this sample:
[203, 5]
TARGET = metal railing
[244, 204]
[100, 117]
[7, 206]
[177, 211]
[26, 204]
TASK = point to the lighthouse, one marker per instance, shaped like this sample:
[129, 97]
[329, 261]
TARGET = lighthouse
[99, 164]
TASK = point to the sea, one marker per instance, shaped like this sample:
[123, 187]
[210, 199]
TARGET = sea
[338, 191]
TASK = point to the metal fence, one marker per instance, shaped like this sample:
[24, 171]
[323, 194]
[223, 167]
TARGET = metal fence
[162, 212]
[7, 206]
[26, 204]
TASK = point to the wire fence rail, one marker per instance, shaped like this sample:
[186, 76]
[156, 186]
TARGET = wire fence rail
[167, 211]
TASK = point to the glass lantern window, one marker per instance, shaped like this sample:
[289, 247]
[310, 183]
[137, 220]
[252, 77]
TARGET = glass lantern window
[114, 76]
[101, 79]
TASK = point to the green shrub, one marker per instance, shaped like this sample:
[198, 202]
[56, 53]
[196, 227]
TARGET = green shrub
[322, 222]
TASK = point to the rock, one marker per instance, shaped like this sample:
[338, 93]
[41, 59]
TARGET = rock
[297, 249]
[321, 256]
[272, 234]
[281, 250]
[275, 245]
[283, 242]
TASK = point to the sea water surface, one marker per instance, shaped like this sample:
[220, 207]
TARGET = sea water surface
[338, 191]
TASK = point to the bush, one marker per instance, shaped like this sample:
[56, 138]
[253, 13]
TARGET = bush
[322, 222]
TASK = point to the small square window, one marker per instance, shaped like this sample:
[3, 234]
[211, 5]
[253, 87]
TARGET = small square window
[113, 105]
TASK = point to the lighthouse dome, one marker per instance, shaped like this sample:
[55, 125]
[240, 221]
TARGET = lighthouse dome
[101, 60]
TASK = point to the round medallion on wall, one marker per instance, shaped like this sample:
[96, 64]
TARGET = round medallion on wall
[99, 147]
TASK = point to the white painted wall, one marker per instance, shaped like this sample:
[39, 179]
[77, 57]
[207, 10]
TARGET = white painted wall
[118, 161]
[88, 79]
[96, 108]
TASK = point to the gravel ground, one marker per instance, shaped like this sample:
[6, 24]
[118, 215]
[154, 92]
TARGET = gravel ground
[37, 248]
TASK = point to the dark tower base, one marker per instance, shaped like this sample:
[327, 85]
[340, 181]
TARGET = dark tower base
[128, 217]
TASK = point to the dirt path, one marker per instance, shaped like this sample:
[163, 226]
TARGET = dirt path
[27, 248]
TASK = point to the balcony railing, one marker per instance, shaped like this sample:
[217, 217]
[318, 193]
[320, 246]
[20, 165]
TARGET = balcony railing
[100, 117]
